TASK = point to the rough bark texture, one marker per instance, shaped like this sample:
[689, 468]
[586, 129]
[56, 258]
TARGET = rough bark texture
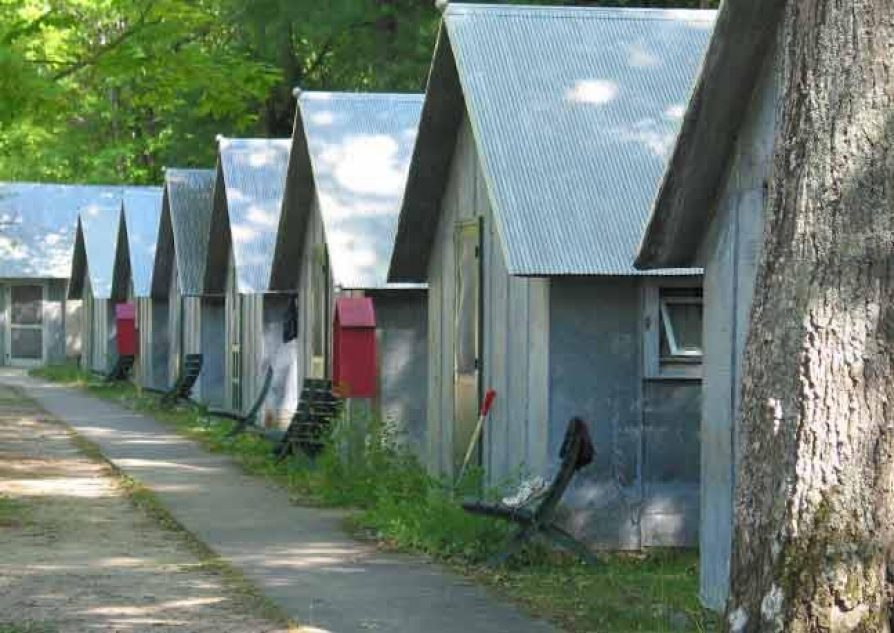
[816, 431]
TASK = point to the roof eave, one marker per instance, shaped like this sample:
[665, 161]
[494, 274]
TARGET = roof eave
[743, 37]
[442, 113]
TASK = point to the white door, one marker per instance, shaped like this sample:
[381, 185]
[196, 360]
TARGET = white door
[25, 315]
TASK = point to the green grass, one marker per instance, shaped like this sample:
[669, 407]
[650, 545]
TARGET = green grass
[13, 512]
[402, 507]
[25, 627]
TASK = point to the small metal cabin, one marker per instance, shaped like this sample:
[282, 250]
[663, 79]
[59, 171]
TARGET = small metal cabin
[556, 124]
[710, 213]
[38, 324]
[93, 262]
[134, 260]
[184, 320]
[347, 172]
[247, 202]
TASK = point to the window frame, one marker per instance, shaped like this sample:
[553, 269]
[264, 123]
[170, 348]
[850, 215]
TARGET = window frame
[686, 365]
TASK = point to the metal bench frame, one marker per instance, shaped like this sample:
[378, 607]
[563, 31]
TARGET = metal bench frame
[249, 420]
[541, 521]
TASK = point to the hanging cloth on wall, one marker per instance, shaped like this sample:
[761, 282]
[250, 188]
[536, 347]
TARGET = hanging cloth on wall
[290, 320]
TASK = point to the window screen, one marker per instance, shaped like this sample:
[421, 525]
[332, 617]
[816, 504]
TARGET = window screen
[680, 324]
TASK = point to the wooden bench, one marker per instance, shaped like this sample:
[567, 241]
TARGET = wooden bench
[317, 408]
[190, 368]
[541, 520]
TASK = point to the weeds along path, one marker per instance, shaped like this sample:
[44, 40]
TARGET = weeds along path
[77, 554]
[299, 557]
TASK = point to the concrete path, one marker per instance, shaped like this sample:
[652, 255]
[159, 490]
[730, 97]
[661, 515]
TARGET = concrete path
[300, 557]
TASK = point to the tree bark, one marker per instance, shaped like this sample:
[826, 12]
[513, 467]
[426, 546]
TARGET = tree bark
[816, 431]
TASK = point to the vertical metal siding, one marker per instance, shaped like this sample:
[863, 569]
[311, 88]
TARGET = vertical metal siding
[143, 369]
[213, 325]
[54, 321]
[730, 253]
[513, 342]
[175, 326]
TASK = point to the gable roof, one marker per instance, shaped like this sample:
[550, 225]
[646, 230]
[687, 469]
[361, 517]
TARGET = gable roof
[37, 226]
[735, 59]
[142, 209]
[184, 230]
[356, 150]
[573, 111]
[247, 202]
[93, 262]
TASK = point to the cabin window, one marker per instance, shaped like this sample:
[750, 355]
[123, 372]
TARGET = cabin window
[680, 324]
[673, 330]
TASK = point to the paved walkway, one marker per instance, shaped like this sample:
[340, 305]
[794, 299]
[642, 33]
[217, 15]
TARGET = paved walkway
[300, 557]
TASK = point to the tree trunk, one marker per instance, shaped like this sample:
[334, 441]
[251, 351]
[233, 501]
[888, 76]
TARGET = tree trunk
[816, 430]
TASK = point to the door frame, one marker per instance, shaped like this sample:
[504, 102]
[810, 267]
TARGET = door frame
[7, 317]
[460, 226]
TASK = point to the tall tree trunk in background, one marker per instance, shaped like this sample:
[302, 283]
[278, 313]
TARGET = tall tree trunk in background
[815, 489]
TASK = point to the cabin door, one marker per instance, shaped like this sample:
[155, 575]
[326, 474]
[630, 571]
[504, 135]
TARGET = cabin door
[467, 341]
[24, 336]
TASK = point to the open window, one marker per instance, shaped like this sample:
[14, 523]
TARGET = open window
[673, 331]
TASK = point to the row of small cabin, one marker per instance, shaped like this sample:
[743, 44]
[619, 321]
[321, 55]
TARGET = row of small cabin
[488, 230]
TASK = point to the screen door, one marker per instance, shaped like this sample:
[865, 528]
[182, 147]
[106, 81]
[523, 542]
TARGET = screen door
[467, 339]
[25, 343]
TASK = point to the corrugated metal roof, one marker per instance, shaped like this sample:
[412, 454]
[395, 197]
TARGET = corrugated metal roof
[360, 147]
[254, 174]
[99, 225]
[37, 226]
[188, 201]
[142, 209]
[574, 113]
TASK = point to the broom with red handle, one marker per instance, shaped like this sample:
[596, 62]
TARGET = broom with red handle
[489, 396]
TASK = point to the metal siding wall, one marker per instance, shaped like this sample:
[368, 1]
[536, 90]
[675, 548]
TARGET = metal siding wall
[54, 321]
[402, 338]
[161, 348]
[213, 346]
[111, 334]
[86, 357]
[73, 327]
[253, 358]
[670, 469]
[100, 335]
[230, 304]
[191, 322]
[515, 339]
[314, 237]
[143, 368]
[730, 253]
[4, 297]
[595, 373]
[175, 325]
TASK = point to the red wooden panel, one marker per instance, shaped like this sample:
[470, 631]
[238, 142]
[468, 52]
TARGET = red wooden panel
[355, 312]
[126, 330]
[354, 348]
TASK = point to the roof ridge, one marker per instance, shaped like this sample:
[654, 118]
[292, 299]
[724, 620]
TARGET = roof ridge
[551, 11]
[355, 94]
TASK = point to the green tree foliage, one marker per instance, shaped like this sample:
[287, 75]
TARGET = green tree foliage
[114, 90]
